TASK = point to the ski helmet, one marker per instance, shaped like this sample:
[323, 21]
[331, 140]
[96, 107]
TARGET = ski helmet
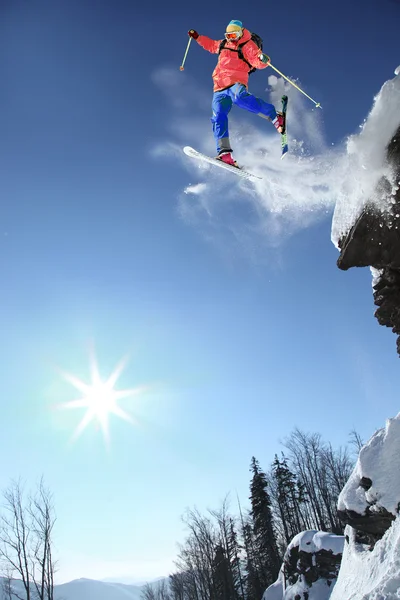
[235, 26]
[234, 31]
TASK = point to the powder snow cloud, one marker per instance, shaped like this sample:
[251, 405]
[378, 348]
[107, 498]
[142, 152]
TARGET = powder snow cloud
[294, 193]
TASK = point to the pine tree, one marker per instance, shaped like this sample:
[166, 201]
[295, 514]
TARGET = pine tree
[222, 576]
[234, 549]
[251, 585]
[230, 545]
[254, 587]
[265, 544]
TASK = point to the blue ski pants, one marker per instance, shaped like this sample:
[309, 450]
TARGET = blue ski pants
[222, 104]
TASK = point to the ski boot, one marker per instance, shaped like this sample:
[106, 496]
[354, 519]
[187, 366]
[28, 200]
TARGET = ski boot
[226, 157]
[279, 122]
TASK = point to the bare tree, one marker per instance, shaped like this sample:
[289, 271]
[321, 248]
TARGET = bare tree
[322, 472]
[15, 537]
[26, 527]
[339, 467]
[148, 592]
[178, 587]
[156, 591]
[42, 518]
[356, 440]
[196, 558]
[163, 592]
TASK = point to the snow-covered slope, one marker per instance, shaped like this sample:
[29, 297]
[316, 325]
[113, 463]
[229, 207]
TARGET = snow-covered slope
[379, 462]
[88, 589]
[370, 575]
[372, 571]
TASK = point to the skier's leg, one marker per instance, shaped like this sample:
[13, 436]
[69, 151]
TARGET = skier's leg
[221, 105]
[242, 98]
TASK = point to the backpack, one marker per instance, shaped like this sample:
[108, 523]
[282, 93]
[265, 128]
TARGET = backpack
[255, 38]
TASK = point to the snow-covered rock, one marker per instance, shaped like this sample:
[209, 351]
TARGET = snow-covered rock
[366, 222]
[367, 165]
[370, 568]
[310, 567]
[370, 499]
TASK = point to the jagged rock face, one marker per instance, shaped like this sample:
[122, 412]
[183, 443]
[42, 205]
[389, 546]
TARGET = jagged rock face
[370, 527]
[311, 566]
[387, 298]
[374, 240]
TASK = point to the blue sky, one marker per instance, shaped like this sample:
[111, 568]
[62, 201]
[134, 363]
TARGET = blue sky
[240, 339]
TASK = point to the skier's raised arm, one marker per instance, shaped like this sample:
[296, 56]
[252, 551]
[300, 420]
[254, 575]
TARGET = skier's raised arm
[205, 42]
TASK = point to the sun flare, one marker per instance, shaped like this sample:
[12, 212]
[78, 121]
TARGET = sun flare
[99, 398]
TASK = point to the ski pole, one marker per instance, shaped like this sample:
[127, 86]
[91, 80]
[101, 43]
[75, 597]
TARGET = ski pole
[317, 104]
[181, 68]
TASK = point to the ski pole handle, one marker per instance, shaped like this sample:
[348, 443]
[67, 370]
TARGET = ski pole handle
[182, 67]
[317, 104]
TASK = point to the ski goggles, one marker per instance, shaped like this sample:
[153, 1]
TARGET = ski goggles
[233, 36]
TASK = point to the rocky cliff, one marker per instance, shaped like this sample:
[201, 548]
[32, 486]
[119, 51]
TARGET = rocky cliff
[372, 239]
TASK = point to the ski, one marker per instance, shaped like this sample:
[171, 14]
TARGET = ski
[284, 142]
[214, 161]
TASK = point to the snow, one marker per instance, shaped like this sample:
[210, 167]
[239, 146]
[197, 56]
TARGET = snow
[313, 541]
[276, 590]
[370, 574]
[379, 460]
[364, 163]
[197, 188]
[320, 590]
[376, 275]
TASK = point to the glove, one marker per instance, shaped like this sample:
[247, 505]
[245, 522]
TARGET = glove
[193, 34]
[265, 59]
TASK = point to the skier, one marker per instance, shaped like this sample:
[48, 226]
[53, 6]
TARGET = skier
[238, 55]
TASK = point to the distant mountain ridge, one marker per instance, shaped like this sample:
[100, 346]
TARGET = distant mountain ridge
[86, 589]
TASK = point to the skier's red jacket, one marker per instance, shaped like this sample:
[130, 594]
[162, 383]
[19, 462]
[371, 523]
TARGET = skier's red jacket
[230, 68]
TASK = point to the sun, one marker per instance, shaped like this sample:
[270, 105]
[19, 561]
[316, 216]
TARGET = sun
[99, 398]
